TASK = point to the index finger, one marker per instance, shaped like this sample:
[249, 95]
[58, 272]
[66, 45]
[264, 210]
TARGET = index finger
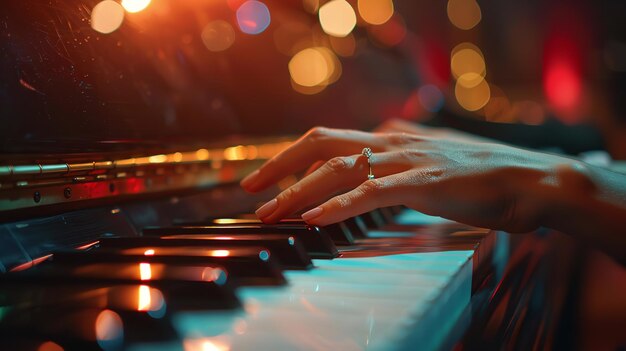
[317, 144]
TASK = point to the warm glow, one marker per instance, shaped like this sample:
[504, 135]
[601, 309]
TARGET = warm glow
[253, 152]
[464, 14]
[202, 154]
[135, 5]
[498, 109]
[337, 18]
[472, 93]
[149, 252]
[236, 153]
[145, 271]
[220, 253]
[333, 64]
[314, 68]
[213, 275]
[253, 17]
[107, 16]
[470, 80]
[562, 85]
[157, 158]
[49, 346]
[467, 60]
[226, 221]
[308, 68]
[177, 157]
[218, 36]
[109, 327]
[206, 344]
[143, 301]
[375, 11]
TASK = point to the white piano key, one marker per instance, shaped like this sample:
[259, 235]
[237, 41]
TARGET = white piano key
[369, 303]
[410, 217]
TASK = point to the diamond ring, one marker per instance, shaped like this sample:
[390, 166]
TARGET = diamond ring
[367, 152]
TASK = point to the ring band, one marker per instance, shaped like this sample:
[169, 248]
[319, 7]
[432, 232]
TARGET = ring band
[367, 152]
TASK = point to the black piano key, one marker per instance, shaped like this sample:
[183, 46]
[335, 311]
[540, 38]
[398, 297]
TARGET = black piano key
[357, 227]
[286, 249]
[179, 295]
[317, 243]
[245, 265]
[339, 232]
[388, 215]
[373, 219]
[396, 210]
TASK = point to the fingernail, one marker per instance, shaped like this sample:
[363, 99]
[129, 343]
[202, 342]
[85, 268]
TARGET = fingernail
[267, 209]
[249, 179]
[310, 214]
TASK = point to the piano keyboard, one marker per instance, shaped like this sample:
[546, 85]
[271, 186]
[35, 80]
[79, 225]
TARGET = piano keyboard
[234, 284]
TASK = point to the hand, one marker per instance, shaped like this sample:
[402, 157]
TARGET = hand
[483, 184]
[396, 125]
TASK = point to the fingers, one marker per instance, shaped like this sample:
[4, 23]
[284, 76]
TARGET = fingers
[372, 194]
[317, 144]
[314, 167]
[338, 174]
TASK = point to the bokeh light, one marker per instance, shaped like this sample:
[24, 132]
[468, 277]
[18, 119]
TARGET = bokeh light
[314, 67]
[529, 112]
[306, 91]
[464, 14]
[467, 58]
[375, 11]
[133, 6]
[472, 91]
[49, 346]
[430, 97]
[218, 36]
[337, 18]
[562, 85]
[109, 330]
[145, 271]
[107, 16]
[309, 68]
[253, 17]
[498, 109]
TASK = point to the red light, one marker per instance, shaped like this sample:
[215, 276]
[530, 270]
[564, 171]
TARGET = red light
[567, 45]
[563, 85]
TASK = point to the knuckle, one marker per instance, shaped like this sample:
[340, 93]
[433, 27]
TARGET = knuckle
[410, 155]
[338, 165]
[397, 138]
[371, 186]
[342, 201]
[317, 132]
[289, 194]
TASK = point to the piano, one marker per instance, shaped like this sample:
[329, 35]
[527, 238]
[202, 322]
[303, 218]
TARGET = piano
[125, 128]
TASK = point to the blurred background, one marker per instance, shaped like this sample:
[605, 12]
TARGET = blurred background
[545, 74]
